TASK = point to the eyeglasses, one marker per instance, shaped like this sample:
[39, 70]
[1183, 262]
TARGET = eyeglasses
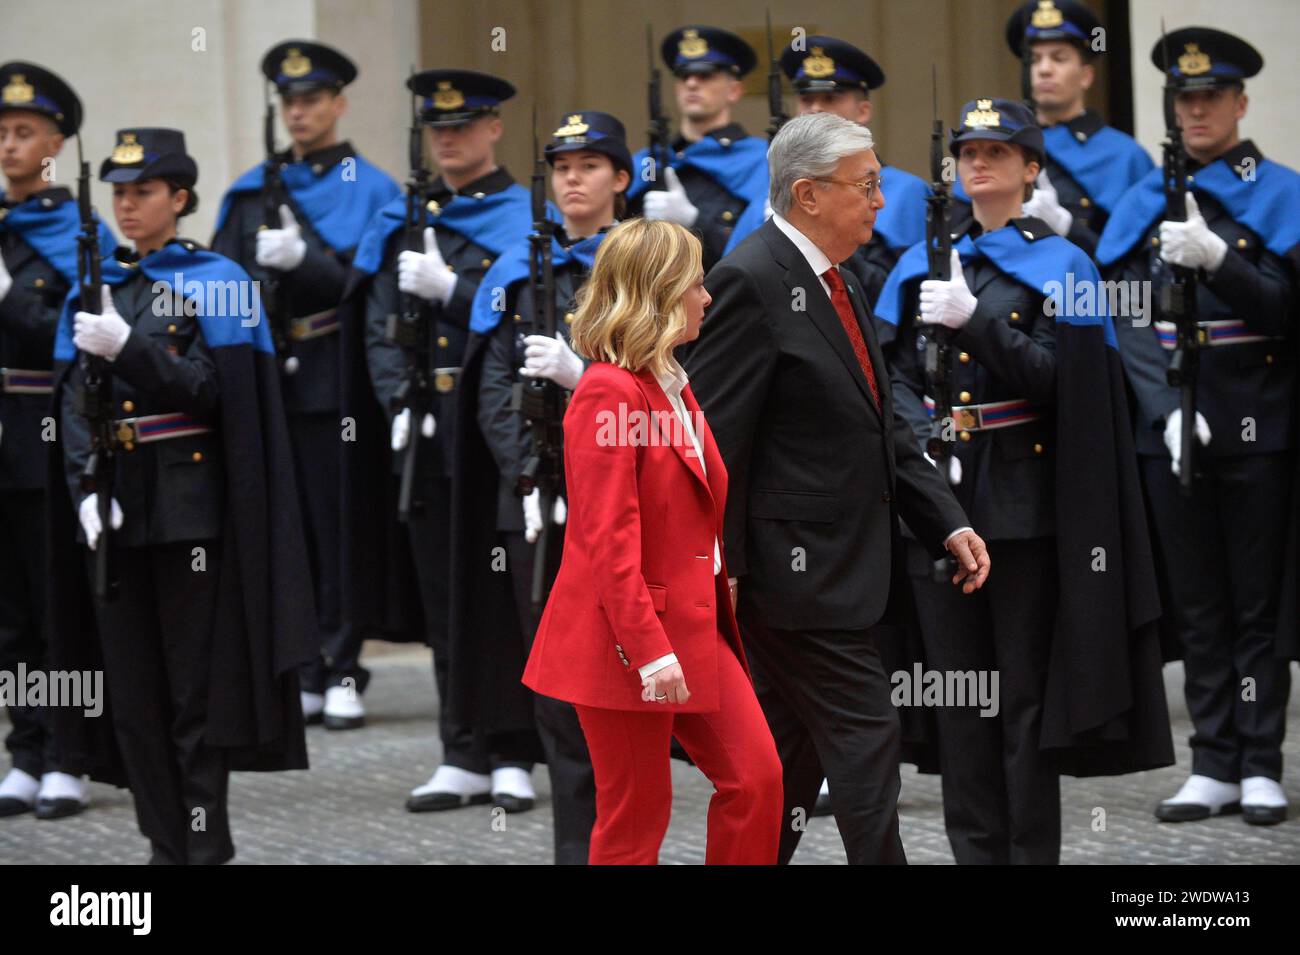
[867, 186]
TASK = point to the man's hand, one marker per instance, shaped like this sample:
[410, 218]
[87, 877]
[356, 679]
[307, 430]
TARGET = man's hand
[1191, 244]
[425, 274]
[1045, 204]
[552, 358]
[665, 686]
[282, 249]
[947, 303]
[972, 560]
[103, 334]
[671, 203]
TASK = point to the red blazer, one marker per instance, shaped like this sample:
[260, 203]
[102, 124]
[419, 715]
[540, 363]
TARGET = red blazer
[636, 580]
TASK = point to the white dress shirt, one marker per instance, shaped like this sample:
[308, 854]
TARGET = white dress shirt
[819, 263]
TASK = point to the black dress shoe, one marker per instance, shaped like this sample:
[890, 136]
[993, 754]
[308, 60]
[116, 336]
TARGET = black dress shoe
[343, 722]
[1263, 815]
[823, 805]
[512, 803]
[9, 806]
[316, 719]
[1192, 811]
[439, 802]
[59, 808]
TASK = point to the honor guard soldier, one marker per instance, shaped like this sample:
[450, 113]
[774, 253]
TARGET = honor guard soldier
[712, 171]
[1088, 164]
[171, 481]
[832, 76]
[1218, 238]
[590, 168]
[38, 265]
[420, 279]
[1036, 446]
[293, 222]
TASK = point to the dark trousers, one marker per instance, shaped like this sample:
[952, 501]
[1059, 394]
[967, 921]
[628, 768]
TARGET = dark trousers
[1001, 792]
[22, 616]
[157, 644]
[1222, 552]
[573, 782]
[429, 527]
[316, 448]
[827, 702]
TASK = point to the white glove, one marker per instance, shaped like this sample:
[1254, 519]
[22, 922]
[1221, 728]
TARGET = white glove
[425, 273]
[533, 514]
[1046, 205]
[551, 358]
[947, 303]
[401, 433]
[88, 513]
[1174, 435]
[671, 202]
[282, 249]
[103, 334]
[954, 468]
[6, 280]
[1191, 244]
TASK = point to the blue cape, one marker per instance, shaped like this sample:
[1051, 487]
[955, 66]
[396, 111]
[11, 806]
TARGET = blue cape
[1269, 206]
[205, 278]
[1043, 266]
[1104, 166]
[53, 233]
[513, 267]
[740, 168]
[493, 222]
[338, 215]
[901, 224]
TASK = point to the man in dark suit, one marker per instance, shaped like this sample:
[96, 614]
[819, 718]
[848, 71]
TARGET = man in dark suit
[792, 381]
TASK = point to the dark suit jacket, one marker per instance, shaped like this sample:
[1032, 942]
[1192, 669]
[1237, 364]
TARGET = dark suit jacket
[819, 475]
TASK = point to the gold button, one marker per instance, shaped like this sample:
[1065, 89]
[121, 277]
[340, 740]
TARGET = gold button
[964, 358]
[128, 445]
[171, 328]
[728, 215]
[1085, 202]
[519, 318]
[1038, 449]
[196, 457]
[1015, 316]
[568, 318]
[724, 140]
[1155, 240]
[39, 283]
[486, 262]
[964, 397]
[1241, 243]
[442, 341]
[965, 435]
[1268, 359]
[317, 168]
[451, 268]
[128, 406]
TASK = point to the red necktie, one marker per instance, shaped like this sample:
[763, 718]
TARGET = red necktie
[844, 309]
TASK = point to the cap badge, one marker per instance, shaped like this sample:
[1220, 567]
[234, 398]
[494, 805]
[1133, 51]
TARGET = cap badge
[1193, 62]
[128, 151]
[295, 64]
[1046, 16]
[817, 64]
[983, 115]
[692, 45]
[447, 96]
[573, 126]
[18, 90]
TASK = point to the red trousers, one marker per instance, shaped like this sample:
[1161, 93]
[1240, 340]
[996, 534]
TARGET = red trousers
[634, 788]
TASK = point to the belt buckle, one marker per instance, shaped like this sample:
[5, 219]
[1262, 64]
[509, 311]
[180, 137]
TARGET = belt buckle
[1202, 334]
[968, 419]
[444, 382]
[299, 329]
[127, 433]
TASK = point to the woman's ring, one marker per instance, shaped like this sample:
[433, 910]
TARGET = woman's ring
[661, 698]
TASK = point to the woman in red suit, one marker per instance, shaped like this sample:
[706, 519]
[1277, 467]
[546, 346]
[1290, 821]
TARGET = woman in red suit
[639, 632]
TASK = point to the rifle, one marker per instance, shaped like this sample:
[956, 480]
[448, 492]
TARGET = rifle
[1178, 291]
[410, 329]
[540, 400]
[938, 248]
[99, 474]
[274, 302]
[659, 135]
[1027, 67]
[775, 105]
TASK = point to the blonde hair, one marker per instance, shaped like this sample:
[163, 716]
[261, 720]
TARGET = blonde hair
[630, 310]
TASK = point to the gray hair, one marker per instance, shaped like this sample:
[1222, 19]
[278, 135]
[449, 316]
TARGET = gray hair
[810, 147]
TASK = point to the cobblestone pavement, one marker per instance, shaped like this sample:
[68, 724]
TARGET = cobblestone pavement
[349, 807]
